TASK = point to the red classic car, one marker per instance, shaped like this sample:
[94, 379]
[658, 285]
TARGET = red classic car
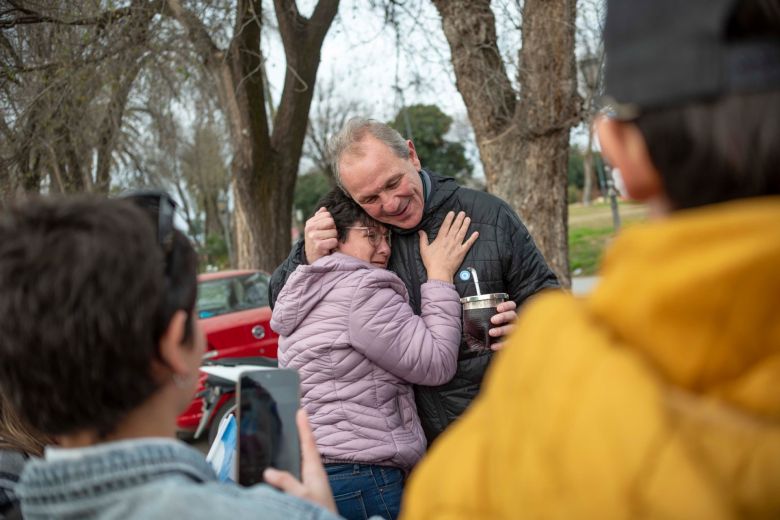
[234, 314]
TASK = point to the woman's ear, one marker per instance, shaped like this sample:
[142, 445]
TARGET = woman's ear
[174, 354]
[624, 147]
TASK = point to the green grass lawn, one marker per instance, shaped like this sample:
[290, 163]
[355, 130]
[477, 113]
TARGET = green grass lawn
[590, 230]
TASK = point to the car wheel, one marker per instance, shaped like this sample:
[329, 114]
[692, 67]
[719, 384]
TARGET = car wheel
[227, 408]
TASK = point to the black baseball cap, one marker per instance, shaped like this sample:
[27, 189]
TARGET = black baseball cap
[662, 53]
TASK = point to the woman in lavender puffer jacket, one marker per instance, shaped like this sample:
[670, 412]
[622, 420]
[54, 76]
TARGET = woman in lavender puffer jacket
[345, 324]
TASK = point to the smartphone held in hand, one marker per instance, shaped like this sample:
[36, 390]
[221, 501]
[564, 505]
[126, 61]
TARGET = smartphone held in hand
[267, 434]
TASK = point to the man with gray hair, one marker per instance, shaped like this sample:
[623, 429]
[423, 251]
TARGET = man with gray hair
[380, 170]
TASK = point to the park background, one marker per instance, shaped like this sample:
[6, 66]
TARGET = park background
[228, 105]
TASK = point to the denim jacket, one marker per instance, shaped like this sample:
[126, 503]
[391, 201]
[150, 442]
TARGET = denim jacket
[11, 464]
[146, 479]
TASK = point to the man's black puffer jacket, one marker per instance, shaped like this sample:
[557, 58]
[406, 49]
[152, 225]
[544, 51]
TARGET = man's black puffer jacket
[505, 258]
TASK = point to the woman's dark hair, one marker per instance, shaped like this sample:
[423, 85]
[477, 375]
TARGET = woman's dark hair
[725, 148]
[82, 293]
[345, 212]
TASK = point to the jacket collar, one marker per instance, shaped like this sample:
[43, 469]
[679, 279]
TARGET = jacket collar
[442, 188]
[89, 472]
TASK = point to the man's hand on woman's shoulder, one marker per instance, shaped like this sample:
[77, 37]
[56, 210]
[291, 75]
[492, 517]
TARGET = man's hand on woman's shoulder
[320, 236]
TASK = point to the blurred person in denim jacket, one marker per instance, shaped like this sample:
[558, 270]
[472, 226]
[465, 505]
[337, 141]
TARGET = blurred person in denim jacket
[100, 349]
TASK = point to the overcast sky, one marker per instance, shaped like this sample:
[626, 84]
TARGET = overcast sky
[361, 57]
[360, 52]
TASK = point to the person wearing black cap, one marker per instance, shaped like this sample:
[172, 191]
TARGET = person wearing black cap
[655, 396]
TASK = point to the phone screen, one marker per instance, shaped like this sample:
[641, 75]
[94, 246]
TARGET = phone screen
[267, 434]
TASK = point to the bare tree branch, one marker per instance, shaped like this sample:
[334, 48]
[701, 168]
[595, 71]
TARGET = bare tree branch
[11, 51]
[27, 16]
[481, 76]
[197, 32]
[302, 40]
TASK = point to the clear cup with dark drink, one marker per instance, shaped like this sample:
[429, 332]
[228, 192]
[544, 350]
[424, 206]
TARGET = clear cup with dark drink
[477, 311]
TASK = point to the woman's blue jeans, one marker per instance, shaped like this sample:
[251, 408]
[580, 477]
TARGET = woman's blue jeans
[363, 490]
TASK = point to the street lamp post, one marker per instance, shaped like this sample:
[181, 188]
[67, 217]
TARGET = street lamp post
[590, 66]
[612, 194]
[589, 69]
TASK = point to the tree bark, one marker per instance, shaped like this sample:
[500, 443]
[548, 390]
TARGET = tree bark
[59, 131]
[265, 163]
[112, 124]
[523, 139]
[140, 15]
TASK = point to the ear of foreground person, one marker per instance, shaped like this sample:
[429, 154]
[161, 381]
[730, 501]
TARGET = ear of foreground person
[627, 410]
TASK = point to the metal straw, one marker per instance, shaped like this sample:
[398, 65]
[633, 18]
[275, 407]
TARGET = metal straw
[476, 280]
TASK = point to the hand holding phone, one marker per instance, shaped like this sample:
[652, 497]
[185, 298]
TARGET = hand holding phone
[314, 485]
[267, 431]
[275, 441]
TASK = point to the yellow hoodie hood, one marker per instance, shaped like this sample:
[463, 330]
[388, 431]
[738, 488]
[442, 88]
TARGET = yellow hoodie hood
[699, 296]
[656, 397]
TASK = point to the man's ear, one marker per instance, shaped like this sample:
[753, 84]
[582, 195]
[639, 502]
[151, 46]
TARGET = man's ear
[413, 155]
[172, 352]
[623, 145]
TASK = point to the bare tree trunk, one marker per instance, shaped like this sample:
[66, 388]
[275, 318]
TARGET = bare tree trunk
[73, 172]
[28, 157]
[523, 143]
[31, 177]
[265, 163]
[7, 185]
[549, 107]
[272, 217]
[211, 224]
[8, 180]
[141, 14]
[112, 124]
[55, 175]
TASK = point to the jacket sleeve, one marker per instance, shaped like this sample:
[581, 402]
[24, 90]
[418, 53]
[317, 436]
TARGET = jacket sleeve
[280, 275]
[525, 270]
[419, 349]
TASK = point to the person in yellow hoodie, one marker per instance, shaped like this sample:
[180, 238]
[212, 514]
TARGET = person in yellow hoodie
[658, 396]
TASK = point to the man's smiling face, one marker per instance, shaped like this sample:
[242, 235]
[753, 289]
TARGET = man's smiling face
[386, 186]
